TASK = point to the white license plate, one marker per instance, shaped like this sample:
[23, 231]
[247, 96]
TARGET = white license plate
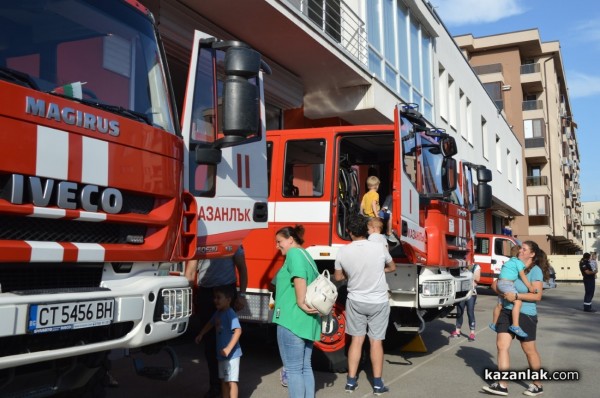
[465, 285]
[63, 316]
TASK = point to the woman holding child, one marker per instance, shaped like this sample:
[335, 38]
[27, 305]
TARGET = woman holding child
[536, 269]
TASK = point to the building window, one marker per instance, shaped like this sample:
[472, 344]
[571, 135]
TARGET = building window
[533, 128]
[462, 114]
[494, 90]
[517, 174]
[400, 52]
[443, 87]
[469, 122]
[538, 205]
[508, 163]
[498, 155]
[484, 139]
[327, 15]
[451, 102]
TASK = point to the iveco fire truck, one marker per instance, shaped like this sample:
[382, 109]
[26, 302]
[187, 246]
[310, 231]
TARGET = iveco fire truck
[317, 177]
[101, 192]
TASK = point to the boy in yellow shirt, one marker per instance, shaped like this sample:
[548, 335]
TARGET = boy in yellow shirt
[369, 205]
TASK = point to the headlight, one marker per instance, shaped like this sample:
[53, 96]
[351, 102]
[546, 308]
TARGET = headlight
[174, 304]
[436, 288]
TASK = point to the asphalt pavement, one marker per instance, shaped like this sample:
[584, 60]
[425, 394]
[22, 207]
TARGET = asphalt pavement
[568, 340]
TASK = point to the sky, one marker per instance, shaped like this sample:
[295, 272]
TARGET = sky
[576, 25]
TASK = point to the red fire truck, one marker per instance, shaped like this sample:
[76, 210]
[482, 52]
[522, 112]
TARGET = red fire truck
[317, 177]
[102, 193]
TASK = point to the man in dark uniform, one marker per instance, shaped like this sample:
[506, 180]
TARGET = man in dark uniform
[589, 281]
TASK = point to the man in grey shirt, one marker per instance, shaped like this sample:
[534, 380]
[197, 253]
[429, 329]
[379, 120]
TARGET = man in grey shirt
[364, 264]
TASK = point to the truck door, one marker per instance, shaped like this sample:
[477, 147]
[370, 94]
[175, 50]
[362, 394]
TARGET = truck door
[225, 160]
[405, 196]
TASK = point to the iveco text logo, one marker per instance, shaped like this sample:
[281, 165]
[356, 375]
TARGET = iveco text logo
[71, 116]
[64, 194]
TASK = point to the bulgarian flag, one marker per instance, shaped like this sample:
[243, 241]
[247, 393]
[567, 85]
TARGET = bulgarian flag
[73, 90]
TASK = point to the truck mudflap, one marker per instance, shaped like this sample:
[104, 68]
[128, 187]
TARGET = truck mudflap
[124, 312]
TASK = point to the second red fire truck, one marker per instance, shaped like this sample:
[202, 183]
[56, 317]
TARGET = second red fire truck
[317, 177]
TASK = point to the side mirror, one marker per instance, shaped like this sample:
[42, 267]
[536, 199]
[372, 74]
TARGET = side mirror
[449, 174]
[484, 175]
[241, 105]
[484, 196]
[448, 146]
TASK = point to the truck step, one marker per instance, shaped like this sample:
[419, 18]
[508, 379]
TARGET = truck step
[401, 328]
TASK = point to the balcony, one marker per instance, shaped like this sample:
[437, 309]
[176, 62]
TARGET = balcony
[536, 181]
[532, 105]
[539, 220]
[313, 39]
[531, 78]
[488, 69]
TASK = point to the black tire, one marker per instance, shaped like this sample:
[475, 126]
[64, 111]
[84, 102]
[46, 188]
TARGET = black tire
[334, 357]
[335, 361]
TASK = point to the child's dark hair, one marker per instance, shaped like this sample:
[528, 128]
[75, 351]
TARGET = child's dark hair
[227, 291]
[296, 233]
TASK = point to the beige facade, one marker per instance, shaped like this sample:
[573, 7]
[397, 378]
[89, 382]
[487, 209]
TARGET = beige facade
[526, 79]
[591, 227]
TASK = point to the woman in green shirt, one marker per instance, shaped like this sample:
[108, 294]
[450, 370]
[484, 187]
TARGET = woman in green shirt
[298, 325]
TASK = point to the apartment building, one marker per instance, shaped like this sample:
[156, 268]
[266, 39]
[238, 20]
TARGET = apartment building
[591, 226]
[526, 79]
[351, 62]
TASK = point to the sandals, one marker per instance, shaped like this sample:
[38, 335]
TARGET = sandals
[518, 331]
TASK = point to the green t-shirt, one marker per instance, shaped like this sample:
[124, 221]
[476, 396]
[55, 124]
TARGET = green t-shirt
[287, 313]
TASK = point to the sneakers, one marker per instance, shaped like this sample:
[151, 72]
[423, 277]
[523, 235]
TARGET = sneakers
[518, 331]
[350, 387]
[456, 333]
[283, 377]
[493, 327]
[378, 390]
[534, 390]
[392, 238]
[496, 389]
[471, 336]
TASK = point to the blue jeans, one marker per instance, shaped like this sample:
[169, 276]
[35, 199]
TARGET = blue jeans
[295, 355]
[460, 310]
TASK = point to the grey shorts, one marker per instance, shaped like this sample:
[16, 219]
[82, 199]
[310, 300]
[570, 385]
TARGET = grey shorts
[506, 286]
[367, 319]
[229, 369]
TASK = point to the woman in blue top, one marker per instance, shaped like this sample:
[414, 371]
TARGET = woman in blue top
[536, 268]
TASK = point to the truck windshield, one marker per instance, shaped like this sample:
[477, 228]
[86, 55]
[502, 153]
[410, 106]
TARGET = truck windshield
[102, 53]
[422, 159]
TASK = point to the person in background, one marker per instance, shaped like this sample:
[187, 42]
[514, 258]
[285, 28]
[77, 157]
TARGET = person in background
[298, 325]
[589, 281]
[536, 269]
[209, 275]
[228, 330]
[364, 264]
[470, 304]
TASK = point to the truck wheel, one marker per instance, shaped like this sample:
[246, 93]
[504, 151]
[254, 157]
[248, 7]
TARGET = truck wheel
[330, 353]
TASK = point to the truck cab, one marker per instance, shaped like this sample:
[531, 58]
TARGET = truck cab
[491, 252]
